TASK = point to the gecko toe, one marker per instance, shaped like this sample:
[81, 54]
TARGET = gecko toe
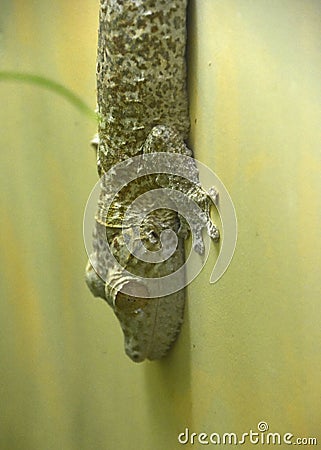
[212, 231]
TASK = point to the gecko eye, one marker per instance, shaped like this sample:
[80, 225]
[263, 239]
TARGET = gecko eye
[125, 303]
[131, 304]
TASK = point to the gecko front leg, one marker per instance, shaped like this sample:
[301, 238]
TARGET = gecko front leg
[166, 139]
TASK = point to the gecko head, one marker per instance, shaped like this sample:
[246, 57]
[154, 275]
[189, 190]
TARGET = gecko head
[136, 316]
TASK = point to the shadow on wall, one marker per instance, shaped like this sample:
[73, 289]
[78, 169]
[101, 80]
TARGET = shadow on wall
[170, 379]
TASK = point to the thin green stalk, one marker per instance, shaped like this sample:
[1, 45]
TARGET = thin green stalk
[51, 85]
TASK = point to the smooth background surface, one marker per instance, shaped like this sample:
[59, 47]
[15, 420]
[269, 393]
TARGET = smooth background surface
[250, 345]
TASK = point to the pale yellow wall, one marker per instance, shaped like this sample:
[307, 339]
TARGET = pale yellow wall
[250, 345]
[257, 103]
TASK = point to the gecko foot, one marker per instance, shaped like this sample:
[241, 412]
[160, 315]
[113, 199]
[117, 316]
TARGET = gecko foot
[212, 231]
[214, 195]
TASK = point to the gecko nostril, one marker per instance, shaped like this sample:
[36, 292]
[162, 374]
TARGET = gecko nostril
[136, 357]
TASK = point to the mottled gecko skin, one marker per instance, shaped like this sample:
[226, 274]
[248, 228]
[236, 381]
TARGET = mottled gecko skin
[143, 108]
[141, 74]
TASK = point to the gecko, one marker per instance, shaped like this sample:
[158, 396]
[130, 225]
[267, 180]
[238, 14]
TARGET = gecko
[143, 110]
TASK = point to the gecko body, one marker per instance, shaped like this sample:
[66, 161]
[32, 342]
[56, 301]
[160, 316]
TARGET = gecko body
[143, 110]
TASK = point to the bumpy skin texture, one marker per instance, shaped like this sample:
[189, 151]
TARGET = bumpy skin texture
[141, 74]
[143, 108]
